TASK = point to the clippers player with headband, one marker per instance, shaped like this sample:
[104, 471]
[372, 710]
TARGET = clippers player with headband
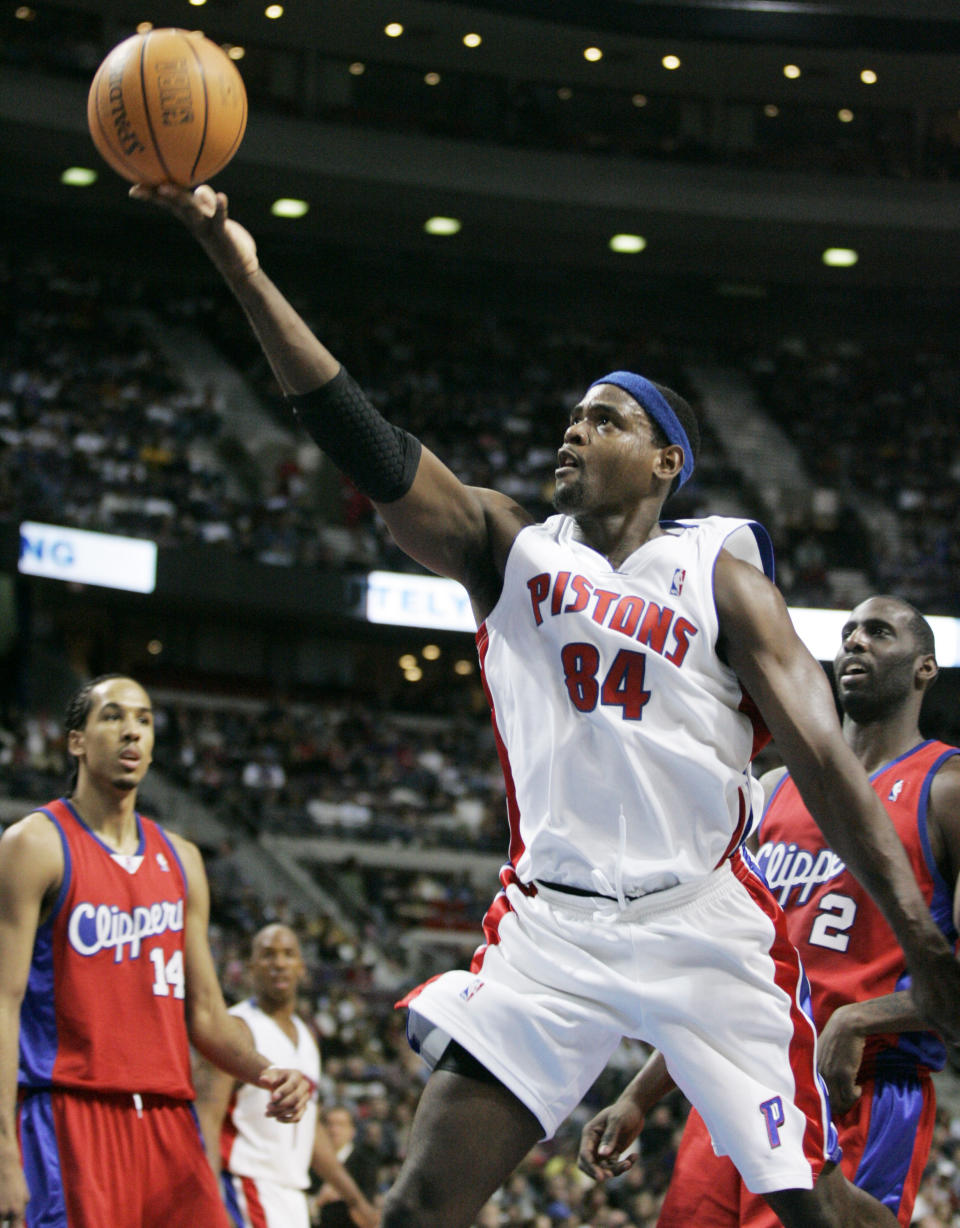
[622, 658]
[874, 1055]
[106, 977]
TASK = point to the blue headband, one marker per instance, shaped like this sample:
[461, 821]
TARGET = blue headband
[652, 402]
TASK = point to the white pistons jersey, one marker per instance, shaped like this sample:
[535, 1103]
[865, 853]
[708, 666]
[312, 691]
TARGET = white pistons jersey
[254, 1145]
[625, 741]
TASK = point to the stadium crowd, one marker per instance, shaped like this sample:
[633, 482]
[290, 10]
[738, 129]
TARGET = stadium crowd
[99, 430]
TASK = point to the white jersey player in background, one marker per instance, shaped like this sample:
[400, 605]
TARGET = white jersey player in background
[619, 656]
[265, 1172]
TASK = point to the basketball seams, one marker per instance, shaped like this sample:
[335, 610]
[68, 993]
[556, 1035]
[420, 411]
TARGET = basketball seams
[103, 76]
[201, 67]
[213, 67]
[146, 106]
[170, 77]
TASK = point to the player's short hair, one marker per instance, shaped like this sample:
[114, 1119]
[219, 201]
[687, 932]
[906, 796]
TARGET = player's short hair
[75, 717]
[921, 631]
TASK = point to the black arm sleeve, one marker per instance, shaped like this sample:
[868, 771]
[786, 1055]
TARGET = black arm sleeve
[380, 459]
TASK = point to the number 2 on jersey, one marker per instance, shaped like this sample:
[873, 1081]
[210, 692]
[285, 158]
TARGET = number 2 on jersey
[168, 973]
[621, 688]
[834, 917]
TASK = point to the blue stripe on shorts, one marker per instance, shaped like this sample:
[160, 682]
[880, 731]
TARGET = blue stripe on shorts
[228, 1190]
[47, 1207]
[894, 1117]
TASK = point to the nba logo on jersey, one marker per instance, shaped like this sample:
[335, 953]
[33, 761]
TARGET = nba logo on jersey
[468, 991]
[895, 791]
[676, 584]
[163, 863]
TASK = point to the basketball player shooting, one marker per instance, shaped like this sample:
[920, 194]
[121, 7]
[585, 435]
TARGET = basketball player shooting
[621, 655]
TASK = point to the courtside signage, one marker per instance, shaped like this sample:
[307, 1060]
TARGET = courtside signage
[105, 559]
[418, 601]
[443, 605]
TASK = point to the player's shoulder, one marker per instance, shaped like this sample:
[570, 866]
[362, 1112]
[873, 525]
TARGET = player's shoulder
[32, 847]
[945, 785]
[191, 859]
[35, 831]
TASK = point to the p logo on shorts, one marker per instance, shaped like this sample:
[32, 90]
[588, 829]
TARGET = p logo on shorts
[772, 1111]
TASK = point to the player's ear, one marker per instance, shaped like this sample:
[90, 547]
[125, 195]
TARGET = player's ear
[927, 669]
[76, 742]
[669, 462]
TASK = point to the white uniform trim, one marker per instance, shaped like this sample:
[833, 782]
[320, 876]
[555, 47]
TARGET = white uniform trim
[698, 970]
[621, 734]
[264, 1148]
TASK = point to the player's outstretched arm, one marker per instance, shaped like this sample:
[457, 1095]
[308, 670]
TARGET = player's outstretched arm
[794, 698]
[615, 1127]
[217, 1035]
[454, 530]
[31, 868]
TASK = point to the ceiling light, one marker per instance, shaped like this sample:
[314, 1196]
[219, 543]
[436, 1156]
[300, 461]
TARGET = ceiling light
[845, 115]
[408, 661]
[840, 257]
[472, 40]
[592, 54]
[432, 78]
[273, 11]
[144, 27]
[236, 53]
[200, 3]
[287, 206]
[463, 668]
[442, 225]
[771, 110]
[671, 62]
[639, 100]
[627, 243]
[431, 652]
[78, 176]
[155, 647]
[393, 30]
[564, 93]
[357, 68]
[791, 71]
[24, 13]
[413, 675]
[868, 77]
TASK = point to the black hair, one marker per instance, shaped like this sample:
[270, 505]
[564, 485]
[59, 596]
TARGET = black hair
[78, 709]
[686, 416]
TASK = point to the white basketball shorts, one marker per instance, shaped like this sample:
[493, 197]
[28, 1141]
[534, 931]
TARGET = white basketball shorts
[704, 971]
[254, 1203]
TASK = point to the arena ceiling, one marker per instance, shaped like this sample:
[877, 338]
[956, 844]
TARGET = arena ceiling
[374, 188]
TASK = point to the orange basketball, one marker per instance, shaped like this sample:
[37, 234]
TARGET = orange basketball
[167, 106]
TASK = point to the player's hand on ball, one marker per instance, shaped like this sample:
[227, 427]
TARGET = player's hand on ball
[290, 1093]
[205, 214]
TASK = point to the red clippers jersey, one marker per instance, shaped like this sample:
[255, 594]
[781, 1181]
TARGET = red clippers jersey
[104, 1007]
[848, 949]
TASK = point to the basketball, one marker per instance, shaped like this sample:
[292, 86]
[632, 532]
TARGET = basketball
[167, 106]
